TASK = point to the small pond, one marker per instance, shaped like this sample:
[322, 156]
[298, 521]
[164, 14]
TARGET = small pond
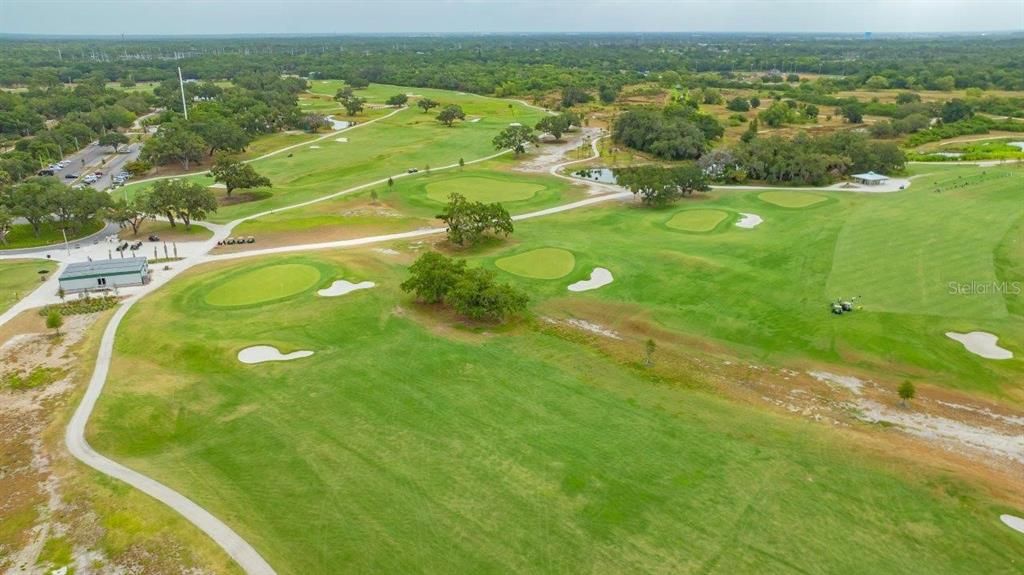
[603, 175]
[1016, 145]
[947, 154]
[338, 124]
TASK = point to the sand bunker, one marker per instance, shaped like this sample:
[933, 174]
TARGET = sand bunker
[1016, 145]
[475, 120]
[749, 221]
[1013, 522]
[264, 353]
[981, 343]
[598, 278]
[219, 186]
[387, 251]
[342, 287]
[314, 147]
[342, 140]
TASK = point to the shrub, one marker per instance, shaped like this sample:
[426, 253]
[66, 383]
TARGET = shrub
[473, 293]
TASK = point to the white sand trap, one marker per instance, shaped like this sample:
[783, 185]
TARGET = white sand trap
[1017, 145]
[342, 140]
[600, 277]
[387, 251]
[749, 221]
[1013, 522]
[314, 147]
[475, 120]
[219, 186]
[515, 124]
[263, 353]
[981, 343]
[342, 287]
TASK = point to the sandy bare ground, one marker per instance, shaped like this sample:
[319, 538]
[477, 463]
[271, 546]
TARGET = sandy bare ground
[33, 467]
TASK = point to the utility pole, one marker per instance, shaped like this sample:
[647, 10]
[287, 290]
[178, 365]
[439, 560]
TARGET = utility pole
[181, 83]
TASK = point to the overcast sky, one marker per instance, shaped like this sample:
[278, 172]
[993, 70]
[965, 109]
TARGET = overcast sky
[101, 17]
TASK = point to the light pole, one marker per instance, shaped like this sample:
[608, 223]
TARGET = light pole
[181, 84]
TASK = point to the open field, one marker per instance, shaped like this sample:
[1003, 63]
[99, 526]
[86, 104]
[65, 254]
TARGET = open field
[412, 203]
[166, 232]
[404, 444]
[408, 139]
[22, 235]
[765, 292]
[18, 278]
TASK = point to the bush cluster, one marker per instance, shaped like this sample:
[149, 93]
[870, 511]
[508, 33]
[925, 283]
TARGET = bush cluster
[472, 292]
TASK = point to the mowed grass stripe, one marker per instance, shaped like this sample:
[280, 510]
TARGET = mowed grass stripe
[902, 251]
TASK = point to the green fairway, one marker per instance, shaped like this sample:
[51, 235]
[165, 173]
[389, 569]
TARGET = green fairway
[407, 205]
[481, 189]
[18, 278]
[791, 199]
[387, 147]
[263, 284]
[768, 294]
[398, 449]
[697, 220]
[541, 263]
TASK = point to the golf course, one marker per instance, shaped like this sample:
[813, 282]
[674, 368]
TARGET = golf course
[699, 293]
[378, 451]
[386, 443]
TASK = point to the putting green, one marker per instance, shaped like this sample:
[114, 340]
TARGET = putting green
[542, 263]
[791, 199]
[697, 220]
[478, 189]
[263, 285]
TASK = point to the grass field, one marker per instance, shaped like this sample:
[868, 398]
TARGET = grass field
[481, 189]
[403, 445]
[787, 199]
[541, 263]
[18, 278]
[409, 139]
[697, 220]
[765, 292]
[264, 284]
[412, 203]
[22, 235]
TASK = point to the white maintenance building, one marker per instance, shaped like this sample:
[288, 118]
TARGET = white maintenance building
[104, 274]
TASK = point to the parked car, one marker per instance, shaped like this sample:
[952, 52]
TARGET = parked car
[69, 176]
[412, 170]
[154, 238]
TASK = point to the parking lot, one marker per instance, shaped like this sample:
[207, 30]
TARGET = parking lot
[98, 161]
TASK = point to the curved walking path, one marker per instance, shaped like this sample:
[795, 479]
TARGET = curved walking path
[247, 557]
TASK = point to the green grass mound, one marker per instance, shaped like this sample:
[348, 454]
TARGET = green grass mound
[791, 199]
[478, 189]
[697, 220]
[541, 264]
[263, 285]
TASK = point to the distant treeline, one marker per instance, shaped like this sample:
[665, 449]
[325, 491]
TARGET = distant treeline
[524, 65]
